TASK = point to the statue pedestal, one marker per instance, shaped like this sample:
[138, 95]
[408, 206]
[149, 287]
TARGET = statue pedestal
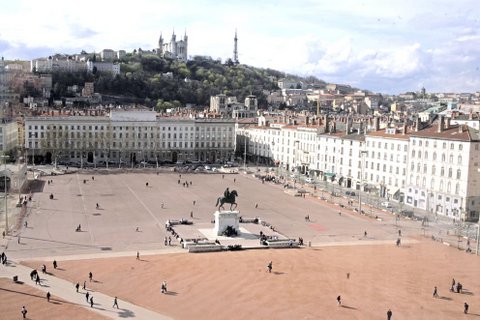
[223, 219]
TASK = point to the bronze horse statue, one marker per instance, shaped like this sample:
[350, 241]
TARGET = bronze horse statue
[230, 199]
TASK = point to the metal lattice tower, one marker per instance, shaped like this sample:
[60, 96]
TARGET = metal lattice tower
[235, 51]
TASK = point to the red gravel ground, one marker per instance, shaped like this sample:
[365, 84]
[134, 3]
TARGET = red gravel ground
[304, 283]
[14, 296]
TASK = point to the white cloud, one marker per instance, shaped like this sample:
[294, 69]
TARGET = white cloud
[374, 44]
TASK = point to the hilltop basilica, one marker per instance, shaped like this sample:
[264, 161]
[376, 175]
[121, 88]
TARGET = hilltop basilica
[173, 49]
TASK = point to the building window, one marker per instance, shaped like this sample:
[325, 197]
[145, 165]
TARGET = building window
[459, 174]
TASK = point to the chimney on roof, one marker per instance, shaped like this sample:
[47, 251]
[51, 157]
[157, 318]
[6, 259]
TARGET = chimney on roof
[334, 126]
[404, 128]
[376, 124]
[348, 125]
[360, 127]
[440, 124]
[470, 116]
[447, 123]
[460, 128]
[307, 121]
[417, 124]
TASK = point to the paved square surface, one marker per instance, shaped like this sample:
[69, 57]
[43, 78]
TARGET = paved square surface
[126, 203]
[304, 283]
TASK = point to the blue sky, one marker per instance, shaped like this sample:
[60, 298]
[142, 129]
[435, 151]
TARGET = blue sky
[385, 46]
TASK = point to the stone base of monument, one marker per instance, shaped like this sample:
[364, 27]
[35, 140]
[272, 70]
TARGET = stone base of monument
[225, 219]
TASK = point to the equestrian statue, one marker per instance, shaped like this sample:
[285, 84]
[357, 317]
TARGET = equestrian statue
[228, 197]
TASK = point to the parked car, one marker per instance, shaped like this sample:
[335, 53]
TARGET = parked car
[407, 213]
[309, 180]
[386, 204]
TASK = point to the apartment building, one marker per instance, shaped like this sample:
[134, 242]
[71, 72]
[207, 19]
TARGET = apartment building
[129, 137]
[435, 168]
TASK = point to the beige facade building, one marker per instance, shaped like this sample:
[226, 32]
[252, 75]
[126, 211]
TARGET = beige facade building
[129, 137]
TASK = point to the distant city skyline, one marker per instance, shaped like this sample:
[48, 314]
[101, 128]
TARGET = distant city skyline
[382, 46]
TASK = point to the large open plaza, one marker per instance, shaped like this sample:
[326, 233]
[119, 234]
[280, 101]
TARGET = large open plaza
[345, 253]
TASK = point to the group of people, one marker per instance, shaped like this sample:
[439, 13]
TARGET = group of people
[34, 276]
[456, 287]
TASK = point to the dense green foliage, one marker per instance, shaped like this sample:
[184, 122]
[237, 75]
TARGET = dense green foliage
[166, 83]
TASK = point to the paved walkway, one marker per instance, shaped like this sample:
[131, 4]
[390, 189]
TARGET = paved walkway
[66, 290]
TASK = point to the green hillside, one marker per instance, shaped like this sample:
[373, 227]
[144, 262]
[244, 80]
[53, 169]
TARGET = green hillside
[165, 83]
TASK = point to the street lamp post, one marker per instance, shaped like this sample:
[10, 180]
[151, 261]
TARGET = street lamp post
[245, 152]
[5, 182]
[478, 239]
[361, 181]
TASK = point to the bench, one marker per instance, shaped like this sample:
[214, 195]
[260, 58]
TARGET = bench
[282, 243]
[193, 242]
[204, 248]
[248, 220]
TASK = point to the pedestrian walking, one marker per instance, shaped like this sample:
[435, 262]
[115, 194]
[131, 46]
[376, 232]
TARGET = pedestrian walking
[164, 287]
[87, 295]
[169, 240]
[234, 180]
[435, 292]
[37, 280]
[398, 242]
[194, 202]
[84, 285]
[44, 268]
[48, 296]
[3, 234]
[77, 286]
[98, 206]
[115, 303]
[166, 241]
[54, 264]
[399, 232]
[339, 300]
[270, 266]
[26, 224]
[348, 275]
[91, 302]
[365, 234]
[18, 239]
[138, 255]
[389, 314]
[24, 312]
[90, 276]
[191, 214]
[465, 307]
[146, 184]
[162, 205]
